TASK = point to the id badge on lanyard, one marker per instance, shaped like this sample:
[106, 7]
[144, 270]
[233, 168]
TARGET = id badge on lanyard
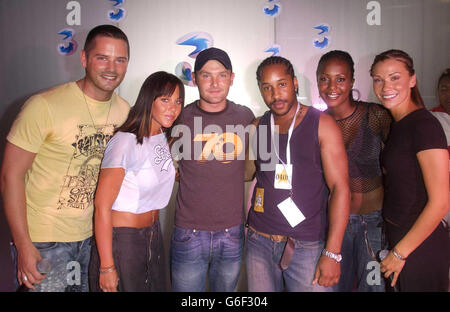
[283, 178]
[283, 171]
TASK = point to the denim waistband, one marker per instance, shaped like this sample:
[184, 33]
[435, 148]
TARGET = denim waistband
[367, 216]
[137, 231]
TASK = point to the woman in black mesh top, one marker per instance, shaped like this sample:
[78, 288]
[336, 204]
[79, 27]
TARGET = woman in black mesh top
[415, 161]
[365, 127]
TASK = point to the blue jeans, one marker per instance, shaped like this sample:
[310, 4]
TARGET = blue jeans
[362, 241]
[194, 252]
[264, 273]
[69, 262]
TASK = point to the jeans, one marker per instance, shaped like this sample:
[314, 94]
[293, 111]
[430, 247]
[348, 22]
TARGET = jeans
[362, 241]
[193, 253]
[138, 258]
[69, 262]
[264, 273]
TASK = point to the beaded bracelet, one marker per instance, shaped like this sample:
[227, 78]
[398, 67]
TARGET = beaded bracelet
[397, 255]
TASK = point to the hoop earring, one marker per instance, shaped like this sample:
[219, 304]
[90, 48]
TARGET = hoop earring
[357, 92]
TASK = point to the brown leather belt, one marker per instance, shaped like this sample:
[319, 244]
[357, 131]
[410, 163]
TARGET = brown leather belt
[274, 238]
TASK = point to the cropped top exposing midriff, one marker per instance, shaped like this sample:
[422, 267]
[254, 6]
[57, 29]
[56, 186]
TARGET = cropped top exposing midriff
[149, 172]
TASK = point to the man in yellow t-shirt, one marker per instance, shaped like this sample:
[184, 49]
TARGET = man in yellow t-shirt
[51, 166]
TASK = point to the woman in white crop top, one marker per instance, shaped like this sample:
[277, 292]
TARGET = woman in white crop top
[135, 182]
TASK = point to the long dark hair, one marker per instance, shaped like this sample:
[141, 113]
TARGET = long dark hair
[140, 117]
[403, 57]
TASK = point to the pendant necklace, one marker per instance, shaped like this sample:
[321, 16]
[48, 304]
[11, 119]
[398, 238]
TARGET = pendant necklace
[98, 130]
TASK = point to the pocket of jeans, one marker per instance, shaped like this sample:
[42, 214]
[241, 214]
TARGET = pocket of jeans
[45, 246]
[235, 233]
[309, 245]
[182, 236]
[374, 216]
[251, 235]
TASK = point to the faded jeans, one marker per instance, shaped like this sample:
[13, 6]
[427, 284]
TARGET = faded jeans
[197, 254]
[362, 241]
[264, 273]
[69, 262]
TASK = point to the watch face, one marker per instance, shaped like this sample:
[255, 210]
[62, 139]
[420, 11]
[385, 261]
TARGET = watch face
[338, 258]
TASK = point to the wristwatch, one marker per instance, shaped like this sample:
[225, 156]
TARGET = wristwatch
[329, 254]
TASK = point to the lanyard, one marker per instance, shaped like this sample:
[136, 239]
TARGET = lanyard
[288, 145]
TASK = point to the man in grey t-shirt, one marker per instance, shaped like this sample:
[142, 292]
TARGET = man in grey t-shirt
[208, 233]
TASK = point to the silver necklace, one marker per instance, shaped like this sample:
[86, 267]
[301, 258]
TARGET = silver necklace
[89, 111]
[63, 202]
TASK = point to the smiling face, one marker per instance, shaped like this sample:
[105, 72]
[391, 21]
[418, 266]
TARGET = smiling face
[392, 83]
[335, 83]
[213, 81]
[165, 110]
[444, 93]
[278, 89]
[106, 65]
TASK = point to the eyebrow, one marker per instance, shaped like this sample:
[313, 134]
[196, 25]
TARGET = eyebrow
[263, 83]
[388, 75]
[104, 55]
[211, 73]
[339, 74]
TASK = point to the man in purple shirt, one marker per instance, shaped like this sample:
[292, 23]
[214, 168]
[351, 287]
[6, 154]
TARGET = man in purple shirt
[300, 206]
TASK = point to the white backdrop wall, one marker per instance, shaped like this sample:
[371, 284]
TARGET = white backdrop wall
[419, 27]
[238, 27]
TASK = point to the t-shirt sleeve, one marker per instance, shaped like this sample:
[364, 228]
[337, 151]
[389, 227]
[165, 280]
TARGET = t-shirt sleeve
[32, 125]
[118, 152]
[428, 134]
[250, 116]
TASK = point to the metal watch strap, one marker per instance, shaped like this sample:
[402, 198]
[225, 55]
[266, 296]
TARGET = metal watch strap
[331, 255]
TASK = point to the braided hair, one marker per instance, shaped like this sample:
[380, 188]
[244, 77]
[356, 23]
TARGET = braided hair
[275, 60]
[340, 55]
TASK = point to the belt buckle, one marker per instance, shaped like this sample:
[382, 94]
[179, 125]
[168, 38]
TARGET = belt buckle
[278, 238]
[274, 238]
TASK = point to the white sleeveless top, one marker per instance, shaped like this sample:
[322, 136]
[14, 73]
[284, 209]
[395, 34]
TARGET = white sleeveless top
[149, 171]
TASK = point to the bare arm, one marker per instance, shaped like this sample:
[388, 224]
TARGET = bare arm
[335, 167]
[16, 163]
[434, 166]
[109, 183]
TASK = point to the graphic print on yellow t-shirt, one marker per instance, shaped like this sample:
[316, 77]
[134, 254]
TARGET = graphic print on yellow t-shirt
[80, 181]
